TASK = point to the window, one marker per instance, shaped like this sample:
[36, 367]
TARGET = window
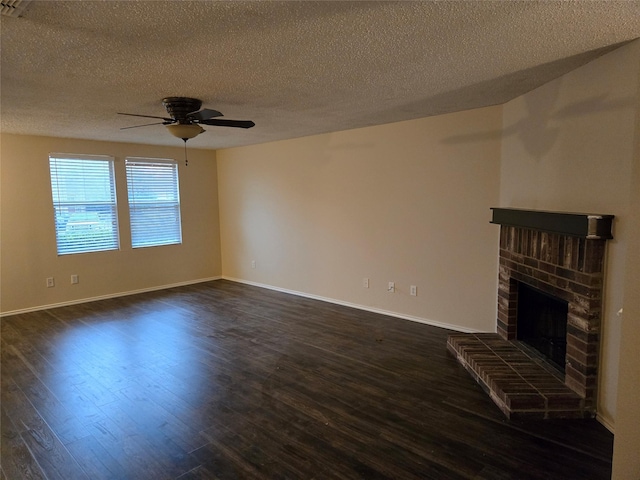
[154, 202]
[84, 203]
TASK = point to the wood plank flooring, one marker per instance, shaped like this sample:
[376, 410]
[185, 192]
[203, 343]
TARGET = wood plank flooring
[226, 381]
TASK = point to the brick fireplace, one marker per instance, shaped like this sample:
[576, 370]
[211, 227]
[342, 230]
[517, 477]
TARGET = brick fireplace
[561, 256]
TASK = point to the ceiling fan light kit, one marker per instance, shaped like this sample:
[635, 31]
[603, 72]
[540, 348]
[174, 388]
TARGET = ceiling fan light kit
[185, 131]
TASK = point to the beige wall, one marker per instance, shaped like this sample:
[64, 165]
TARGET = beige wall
[569, 146]
[406, 202]
[28, 255]
[626, 461]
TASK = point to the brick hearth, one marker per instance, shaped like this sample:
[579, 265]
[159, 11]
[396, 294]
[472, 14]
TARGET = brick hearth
[515, 377]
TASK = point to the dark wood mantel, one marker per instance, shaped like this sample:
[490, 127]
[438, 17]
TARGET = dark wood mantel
[591, 226]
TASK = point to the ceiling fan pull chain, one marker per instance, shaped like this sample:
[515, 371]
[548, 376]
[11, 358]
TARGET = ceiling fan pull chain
[186, 160]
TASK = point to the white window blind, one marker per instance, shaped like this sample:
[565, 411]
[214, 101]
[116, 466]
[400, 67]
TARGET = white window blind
[154, 202]
[84, 202]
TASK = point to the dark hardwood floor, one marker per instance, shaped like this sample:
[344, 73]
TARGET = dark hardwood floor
[223, 380]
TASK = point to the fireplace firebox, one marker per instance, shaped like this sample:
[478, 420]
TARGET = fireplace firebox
[542, 324]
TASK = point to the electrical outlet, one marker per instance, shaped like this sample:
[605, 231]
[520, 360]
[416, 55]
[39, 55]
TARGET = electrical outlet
[253, 264]
[365, 282]
[50, 282]
[392, 287]
[413, 291]
[74, 279]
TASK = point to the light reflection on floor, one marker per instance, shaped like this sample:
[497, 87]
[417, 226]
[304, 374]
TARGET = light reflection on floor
[107, 369]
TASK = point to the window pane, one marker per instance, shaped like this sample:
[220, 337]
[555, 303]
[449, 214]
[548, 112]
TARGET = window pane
[84, 203]
[154, 202]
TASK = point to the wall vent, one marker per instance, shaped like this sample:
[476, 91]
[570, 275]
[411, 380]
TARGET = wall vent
[14, 8]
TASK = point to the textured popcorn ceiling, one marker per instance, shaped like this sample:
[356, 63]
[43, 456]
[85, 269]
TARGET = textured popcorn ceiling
[295, 68]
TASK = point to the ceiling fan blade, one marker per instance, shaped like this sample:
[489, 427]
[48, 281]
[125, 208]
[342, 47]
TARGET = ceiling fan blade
[204, 114]
[145, 125]
[171, 120]
[229, 123]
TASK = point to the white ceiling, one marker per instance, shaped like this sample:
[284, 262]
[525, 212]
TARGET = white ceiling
[295, 68]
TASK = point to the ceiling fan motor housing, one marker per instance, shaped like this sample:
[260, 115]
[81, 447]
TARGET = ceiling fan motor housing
[179, 107]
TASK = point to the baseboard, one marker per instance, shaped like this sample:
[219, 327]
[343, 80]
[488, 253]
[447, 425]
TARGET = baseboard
[105, 297]
[366, 308]
[607, 423]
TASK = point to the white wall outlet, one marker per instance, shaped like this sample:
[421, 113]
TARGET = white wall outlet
[50, 282]
[253, 264]
[392, 287]
[74, 279]
[365, 282]
[413, 290]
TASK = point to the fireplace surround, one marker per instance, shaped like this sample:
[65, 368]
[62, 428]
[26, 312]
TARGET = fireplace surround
[560, 255]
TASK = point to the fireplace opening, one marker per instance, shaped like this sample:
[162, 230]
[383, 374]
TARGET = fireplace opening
[542, 323]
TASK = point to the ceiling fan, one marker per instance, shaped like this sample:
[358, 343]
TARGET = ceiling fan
[186, 119]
